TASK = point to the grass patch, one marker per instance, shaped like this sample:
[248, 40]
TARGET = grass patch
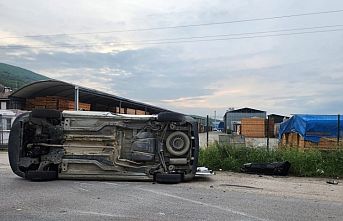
[308, 163]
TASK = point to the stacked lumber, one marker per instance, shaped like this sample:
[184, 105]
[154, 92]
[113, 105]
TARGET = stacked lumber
[136, 112]
[293, 140]
[54, 102]
[70, 105]
[60, 103]
[297, 141]
[270, 128]
[119, 110]
[276, 129]
[325, 143]
[130, 111]
[141, 112]
[253, 127]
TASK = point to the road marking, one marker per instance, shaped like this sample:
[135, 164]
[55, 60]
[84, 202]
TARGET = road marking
[108, 183]
[83, 189]
[84, 183]
[97, 213]
[92, 213]
[204, 204]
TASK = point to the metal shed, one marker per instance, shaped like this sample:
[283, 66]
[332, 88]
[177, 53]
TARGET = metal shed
[232, 118]
[100, 101]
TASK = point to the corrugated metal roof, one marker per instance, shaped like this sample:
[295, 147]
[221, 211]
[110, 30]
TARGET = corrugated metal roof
[246, 110]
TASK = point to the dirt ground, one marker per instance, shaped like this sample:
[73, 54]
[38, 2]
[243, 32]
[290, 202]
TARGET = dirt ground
[300, 187]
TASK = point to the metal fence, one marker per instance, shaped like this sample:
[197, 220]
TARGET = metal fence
[265, 132]
[5, 128]
[2, 145]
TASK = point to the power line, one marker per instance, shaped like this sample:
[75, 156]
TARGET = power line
[173, 42]
[194, 37]
[243, 33]
[177, 26]
[213, 36]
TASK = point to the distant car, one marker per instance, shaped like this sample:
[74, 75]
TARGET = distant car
[49, 144]
[217, 129]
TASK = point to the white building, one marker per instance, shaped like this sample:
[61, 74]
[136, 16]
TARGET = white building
[6, 120]
[7, 117]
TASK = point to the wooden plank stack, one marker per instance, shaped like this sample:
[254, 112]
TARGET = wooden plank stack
[60, 103]
[256, 127]
[54, 102]
[129, 111]
[295, 140]
[141, 112]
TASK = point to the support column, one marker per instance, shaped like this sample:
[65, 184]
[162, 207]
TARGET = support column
[77, 97]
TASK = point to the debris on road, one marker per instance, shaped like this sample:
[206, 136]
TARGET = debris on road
[240, 186]
[275, 168]
[204, 171]
[333, 182]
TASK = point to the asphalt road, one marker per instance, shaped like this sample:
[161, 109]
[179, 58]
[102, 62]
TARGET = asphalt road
[199, 200]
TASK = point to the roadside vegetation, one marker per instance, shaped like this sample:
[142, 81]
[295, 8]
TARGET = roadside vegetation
[303, 163]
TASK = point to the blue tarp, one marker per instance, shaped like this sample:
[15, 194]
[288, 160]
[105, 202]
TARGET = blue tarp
[312, 127]
[221, 126]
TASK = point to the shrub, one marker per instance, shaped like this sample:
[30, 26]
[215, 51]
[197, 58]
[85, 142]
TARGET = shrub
[303, 163]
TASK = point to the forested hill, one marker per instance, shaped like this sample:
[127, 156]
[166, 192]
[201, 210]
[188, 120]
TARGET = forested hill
[16, 77]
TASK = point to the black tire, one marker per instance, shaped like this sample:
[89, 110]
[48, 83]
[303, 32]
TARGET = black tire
[170, 117]
[41, 175]
[47, 114]
[173, 178]
[14, 145]
[15, 152]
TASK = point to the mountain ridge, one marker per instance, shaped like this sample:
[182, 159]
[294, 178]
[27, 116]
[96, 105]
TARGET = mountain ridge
[16, 77]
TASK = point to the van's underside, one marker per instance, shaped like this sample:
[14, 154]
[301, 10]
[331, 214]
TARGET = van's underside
[48, 144]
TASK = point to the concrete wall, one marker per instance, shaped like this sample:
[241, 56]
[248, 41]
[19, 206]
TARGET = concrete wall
[213, 136]
[261, 143]
[237, 140]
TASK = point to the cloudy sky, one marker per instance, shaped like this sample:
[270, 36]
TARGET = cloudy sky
[284, 65]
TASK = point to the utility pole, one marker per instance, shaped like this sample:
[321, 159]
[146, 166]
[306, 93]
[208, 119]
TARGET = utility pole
[77, 97]
[2, 131]
[207, 128]
[215, 119]
[268, 134]
[338, 128]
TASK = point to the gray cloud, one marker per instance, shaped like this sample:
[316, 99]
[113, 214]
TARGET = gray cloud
[289, 74]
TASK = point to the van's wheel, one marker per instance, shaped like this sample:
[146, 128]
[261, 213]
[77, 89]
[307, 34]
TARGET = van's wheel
[41, 175]
[41, 116]
[45, 113]
[172, 178]
[170, 117]
[14, 149]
